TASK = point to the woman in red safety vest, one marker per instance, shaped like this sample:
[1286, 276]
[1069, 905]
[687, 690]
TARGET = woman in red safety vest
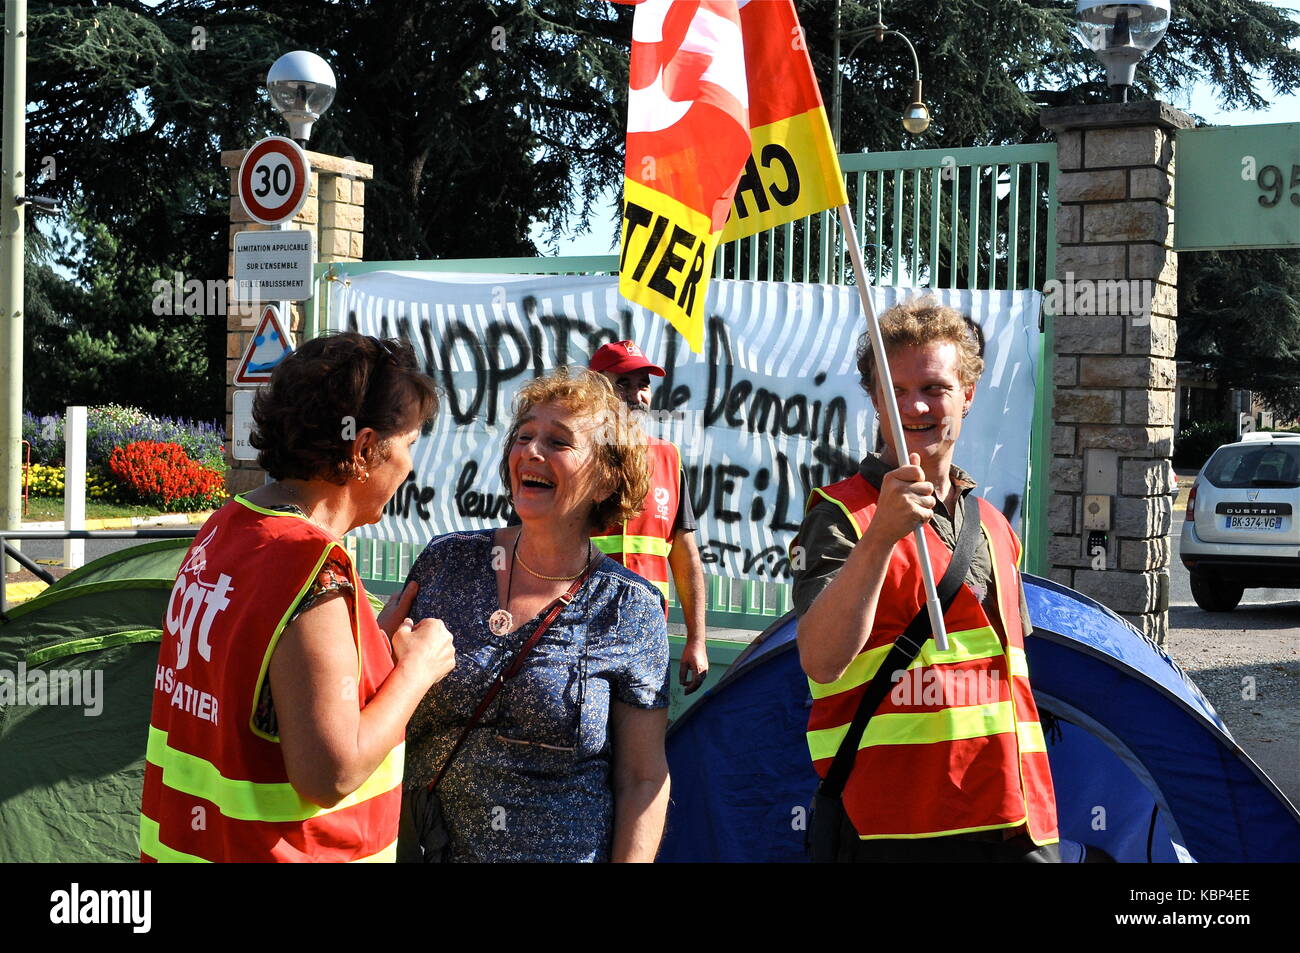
[280, 701]
[952, 765]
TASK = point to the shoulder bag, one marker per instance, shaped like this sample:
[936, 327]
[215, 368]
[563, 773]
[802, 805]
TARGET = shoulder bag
[423, 837]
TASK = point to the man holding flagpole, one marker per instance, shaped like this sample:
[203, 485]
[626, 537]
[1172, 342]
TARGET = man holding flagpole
[726, 126]
[947, 760]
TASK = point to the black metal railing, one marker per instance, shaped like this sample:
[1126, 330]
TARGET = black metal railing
[26, 563]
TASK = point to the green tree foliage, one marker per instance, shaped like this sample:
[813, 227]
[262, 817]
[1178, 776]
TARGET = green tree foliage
[129, 107]
[481, 118]
[1239, 313]
[989, 65]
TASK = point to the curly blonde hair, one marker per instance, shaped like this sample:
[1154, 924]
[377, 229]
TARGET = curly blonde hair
[618, 442]
[919, 322]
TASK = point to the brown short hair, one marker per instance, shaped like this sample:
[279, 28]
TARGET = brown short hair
[331, 386]
[619, 450]
[919, 322]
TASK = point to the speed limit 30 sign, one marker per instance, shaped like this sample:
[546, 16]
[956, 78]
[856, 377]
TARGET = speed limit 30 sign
[273, 180]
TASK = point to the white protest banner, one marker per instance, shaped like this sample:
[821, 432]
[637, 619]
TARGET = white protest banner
[770, 409]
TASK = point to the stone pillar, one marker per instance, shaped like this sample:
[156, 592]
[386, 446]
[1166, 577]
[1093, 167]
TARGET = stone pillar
[335, 213]
[1114, 303]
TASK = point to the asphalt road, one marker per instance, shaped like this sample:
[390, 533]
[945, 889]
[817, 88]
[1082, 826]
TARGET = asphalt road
[40, 549]
[1247, 663]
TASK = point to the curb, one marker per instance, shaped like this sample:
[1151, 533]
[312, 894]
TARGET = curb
[130, 522]
[17, 592]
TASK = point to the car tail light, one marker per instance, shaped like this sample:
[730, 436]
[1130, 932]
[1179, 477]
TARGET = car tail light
[1191, 504]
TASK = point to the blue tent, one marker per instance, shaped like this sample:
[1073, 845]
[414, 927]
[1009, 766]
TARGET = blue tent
[1144, 767]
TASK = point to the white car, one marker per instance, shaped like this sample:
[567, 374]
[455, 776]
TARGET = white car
[1241, 530]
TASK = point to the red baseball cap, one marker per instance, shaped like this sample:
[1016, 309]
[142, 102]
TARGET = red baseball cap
[622, 357]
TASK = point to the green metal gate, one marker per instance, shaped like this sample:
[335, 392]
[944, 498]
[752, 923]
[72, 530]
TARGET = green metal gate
[981, 218]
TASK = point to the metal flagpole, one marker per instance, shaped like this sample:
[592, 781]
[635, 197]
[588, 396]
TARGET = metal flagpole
[894, 418]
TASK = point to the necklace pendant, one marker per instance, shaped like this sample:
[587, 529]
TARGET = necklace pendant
[500, 622]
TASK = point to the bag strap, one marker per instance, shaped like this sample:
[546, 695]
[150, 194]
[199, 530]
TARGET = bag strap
[509, 672]
[905, 649]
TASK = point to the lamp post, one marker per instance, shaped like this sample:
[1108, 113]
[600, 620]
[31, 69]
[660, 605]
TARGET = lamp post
[916, 118]
[1120, 34]
[302, 88]
[12, 232]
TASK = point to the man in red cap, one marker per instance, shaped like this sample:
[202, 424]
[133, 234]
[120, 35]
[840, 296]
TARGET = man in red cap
[662, 537]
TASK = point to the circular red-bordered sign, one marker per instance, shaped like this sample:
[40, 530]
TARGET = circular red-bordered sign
[273, 180]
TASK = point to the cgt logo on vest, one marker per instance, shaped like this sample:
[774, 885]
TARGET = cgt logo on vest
[661, 502]
[188, 599]
[193, 602]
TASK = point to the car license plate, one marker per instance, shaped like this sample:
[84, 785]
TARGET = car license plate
[1254, 522]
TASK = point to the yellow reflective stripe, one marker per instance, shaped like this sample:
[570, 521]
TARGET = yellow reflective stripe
[627, 543]
[662, 586]
[1017, 663]
[609, 545]
[964, 646]
[859, 672]
[919, 728]
[955, 830]
[1029, 734]
[825, 742]
[154, 848]
[386, 856]
[253, 801]
[275, 641]
[151, 846]
[847, 512]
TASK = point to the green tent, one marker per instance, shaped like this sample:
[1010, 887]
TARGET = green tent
[70, 773]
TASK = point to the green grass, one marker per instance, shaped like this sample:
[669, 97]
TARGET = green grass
[44, 508]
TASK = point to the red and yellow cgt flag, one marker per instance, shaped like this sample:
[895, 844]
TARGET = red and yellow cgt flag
[792, 170]
[723, 111]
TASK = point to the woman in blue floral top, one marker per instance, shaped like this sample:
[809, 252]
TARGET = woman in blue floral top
[568, 763]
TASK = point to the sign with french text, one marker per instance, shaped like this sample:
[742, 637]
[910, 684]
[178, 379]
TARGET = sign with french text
[770, 408]
[274, 266]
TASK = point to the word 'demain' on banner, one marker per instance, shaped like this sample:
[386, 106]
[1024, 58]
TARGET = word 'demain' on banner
[768, 410]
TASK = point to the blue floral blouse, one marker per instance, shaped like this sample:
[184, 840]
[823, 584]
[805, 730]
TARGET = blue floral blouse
[532, 782]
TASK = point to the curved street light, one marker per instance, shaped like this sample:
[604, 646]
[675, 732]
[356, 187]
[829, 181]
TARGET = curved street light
[916, 118]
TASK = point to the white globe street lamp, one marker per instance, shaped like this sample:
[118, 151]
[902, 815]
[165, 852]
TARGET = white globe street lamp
[1120, 34]
[302, 87]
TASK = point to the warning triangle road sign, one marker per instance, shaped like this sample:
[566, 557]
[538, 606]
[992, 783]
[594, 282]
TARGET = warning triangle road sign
[267, 349]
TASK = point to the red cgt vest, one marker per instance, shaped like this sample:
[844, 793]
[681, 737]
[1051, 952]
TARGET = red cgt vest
[215, 786]
[956, 746]
[642, 544]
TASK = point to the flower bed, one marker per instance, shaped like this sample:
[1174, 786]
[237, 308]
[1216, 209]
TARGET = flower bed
[162, 475]
[174, 465]
[45, 480]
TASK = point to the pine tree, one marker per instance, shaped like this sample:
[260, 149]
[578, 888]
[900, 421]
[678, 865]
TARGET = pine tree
[1239, 314]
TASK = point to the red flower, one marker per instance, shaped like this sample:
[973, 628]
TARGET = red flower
[162, 474]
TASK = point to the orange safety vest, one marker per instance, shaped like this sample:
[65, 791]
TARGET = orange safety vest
[215, 785]
[956, 746]
[642, 544]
